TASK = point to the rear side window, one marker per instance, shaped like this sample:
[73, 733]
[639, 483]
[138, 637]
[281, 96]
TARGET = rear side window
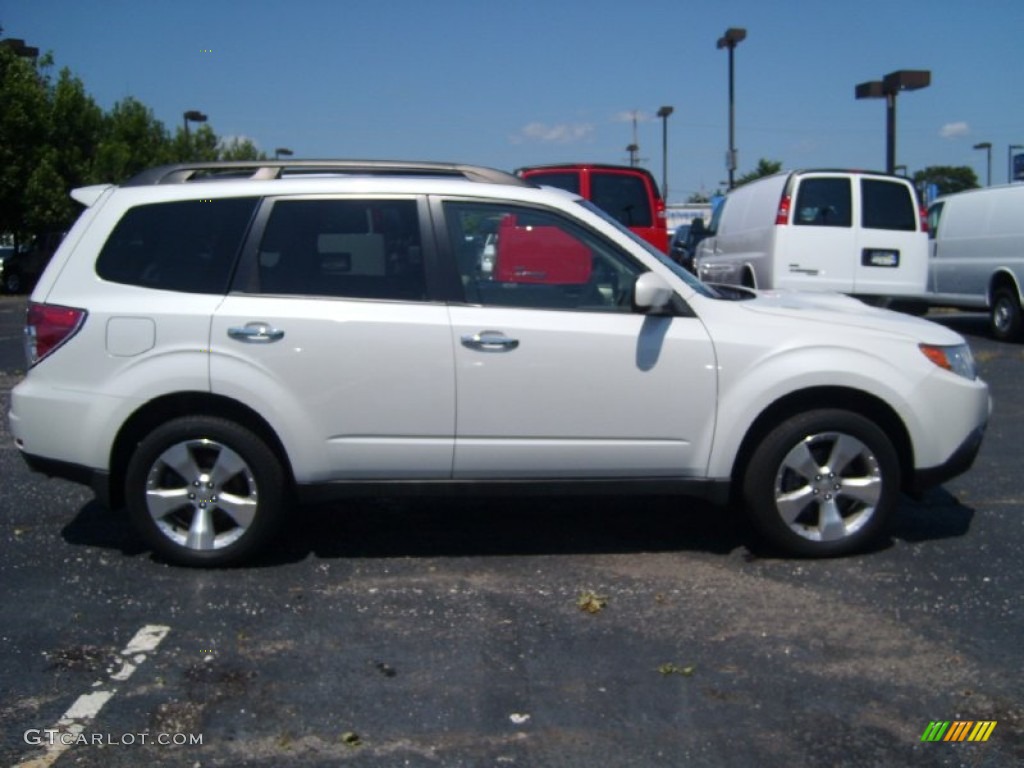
[824, 202]
[625, 196]
[187, 246]
[361, 249]
[570, 182]
[887, 205]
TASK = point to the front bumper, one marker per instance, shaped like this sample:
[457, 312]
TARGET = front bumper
[959, 462]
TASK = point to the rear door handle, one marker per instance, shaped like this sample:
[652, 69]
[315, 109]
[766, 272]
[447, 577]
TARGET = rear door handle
[256, 333]
[489, 341]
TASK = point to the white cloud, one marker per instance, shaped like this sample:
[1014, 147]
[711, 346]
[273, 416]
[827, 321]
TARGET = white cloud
[561, 133]
[954, 130]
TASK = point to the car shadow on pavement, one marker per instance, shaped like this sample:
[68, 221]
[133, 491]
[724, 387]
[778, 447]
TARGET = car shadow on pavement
[938, 514]
[97, 526]
[389, 527]
[487, 526]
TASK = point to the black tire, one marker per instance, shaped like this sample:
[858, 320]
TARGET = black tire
[12, 282]
[204, 491]
[1005, 319]
[807, 507]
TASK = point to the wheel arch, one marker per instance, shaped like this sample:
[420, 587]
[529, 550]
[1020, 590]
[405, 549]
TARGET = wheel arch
[1004, 278]
[180, 404]
[815, 398]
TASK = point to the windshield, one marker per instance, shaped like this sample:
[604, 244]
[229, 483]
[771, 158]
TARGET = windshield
[680, 271]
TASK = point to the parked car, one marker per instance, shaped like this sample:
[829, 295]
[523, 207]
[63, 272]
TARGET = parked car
[21, 268]
[686, 238]
[977, 255]
[858, 233]
[207, 350]
[628, 193]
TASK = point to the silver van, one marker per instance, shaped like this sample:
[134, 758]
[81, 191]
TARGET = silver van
[977, 254]
[846, 231]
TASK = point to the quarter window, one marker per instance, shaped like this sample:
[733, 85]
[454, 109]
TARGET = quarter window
[365, 249]
[522, 257]
[187, 246]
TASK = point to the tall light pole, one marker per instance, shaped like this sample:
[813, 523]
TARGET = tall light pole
[195, 116]
[1009, 162]
[887, 88]
[663, 113]
[282, 152]
[987, 146]
[733, 36]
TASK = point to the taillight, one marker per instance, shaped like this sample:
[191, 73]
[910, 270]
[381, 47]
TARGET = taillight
[47, 326]
[782, 217]
[924, 219]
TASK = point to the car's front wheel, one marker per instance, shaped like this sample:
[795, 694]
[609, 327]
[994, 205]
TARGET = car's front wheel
[204, 491]
[823, 483]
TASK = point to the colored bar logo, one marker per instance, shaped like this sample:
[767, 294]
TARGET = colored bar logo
[958, 730]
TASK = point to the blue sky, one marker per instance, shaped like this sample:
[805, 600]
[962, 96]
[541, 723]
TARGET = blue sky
[537, 81]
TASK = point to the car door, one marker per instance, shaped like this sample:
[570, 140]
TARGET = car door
[891, 254]
[817, 251]
[556, 375]
[331, 335]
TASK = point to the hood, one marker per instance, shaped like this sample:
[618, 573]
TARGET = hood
[837, 309]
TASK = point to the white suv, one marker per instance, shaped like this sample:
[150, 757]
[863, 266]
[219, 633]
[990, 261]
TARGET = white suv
[214, 344]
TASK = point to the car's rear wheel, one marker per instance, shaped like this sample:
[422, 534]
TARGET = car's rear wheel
[1006, 315]
[204, 491]
[823, 483]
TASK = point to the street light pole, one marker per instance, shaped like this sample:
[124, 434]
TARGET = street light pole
[282, 152]
[663, 113]
[195, 116]
[887, 88]
[987, 146]
[733, 36]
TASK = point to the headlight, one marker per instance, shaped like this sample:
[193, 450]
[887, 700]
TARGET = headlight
[957, 359]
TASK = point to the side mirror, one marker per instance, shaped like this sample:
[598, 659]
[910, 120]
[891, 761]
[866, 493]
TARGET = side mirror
[651, 293]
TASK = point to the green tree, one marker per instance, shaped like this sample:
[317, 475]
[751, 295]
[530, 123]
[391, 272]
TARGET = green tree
[198, 145]
[764, 167]
[948, 178]
[133, 140]
[240, 149]
[74, 125]
[23, 131]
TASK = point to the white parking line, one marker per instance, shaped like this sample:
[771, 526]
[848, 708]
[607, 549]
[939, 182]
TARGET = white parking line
[88, 705]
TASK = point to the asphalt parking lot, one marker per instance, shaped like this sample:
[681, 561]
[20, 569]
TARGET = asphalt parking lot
[497, 632]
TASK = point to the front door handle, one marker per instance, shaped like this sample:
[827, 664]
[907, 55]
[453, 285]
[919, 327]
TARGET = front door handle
[489, 341]
[256, 333]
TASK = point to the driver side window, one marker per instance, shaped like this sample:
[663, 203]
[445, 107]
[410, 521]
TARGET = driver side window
[514, 256]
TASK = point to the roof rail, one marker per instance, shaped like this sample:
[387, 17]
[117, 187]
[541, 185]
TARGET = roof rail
[275, 169]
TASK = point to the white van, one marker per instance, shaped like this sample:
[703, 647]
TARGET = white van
[847, 231]
[977, 254]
